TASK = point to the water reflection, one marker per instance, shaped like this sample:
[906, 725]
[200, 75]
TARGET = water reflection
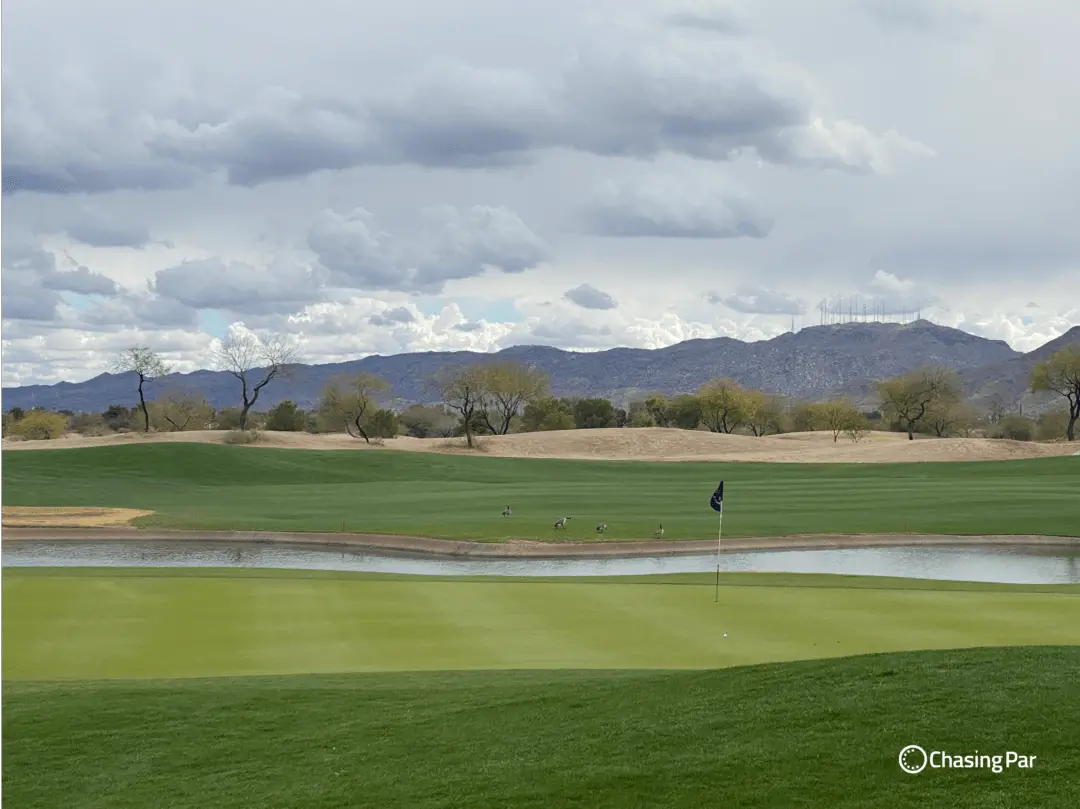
[961, 564]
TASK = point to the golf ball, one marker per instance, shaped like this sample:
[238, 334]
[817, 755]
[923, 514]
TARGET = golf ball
[725, 634]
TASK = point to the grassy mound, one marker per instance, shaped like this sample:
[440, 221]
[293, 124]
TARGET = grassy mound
[220, 487]
[104, 623]
[819, 733]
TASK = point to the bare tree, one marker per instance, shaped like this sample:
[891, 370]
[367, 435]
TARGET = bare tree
[148, 366]
[1060, 373]
[510, 387]
[464, 389]
[911, 396]
[255, 362]
[349, 400]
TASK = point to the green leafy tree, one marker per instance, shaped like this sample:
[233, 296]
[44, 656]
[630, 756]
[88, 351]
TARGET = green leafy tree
[763, 413]
[382, 423]
[286, 417]
[684, 412]
[510, 387]
[723, 405]
[838, 417]
[659, 409]
[464, 389]
[548, 414]
[426, 421]
[352, 400]
[911, 396]
[1060, 373]
[594, 413]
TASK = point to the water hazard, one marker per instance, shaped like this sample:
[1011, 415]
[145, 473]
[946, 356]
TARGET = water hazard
[1013, 566]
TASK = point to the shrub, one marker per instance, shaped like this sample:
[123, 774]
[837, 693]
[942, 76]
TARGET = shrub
[1014, 427]
[40, 425]
[89, 424]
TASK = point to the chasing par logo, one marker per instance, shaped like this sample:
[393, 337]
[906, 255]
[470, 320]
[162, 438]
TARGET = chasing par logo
[914, 759]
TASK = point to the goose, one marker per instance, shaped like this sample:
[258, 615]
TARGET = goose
[659, 532]
[561, 522]
[601, 528]
[507, 512]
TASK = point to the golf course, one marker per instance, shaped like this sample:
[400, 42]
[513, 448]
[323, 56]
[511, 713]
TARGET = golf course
[194, 687]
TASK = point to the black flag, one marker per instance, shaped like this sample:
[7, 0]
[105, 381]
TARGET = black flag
[717, 500]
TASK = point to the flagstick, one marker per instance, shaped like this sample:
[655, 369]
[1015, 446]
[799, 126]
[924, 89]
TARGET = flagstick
[719, 537]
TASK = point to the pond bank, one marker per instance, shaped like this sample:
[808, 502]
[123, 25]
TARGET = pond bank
[447, 548]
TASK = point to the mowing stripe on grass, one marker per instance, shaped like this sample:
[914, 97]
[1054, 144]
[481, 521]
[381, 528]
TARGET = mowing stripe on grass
[239, 488]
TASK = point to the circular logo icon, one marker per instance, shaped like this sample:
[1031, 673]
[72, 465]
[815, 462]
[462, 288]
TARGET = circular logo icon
[913, 759]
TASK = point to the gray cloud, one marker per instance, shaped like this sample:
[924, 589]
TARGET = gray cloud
[624, 94]
[25, 267]
[755, 300]
[139, 311]
[713, 17]
[589, 297]
[81, 281]
[397, 315]
[919, 15]
[237, 287]
[453, 244]
[675, 207]
[96, 230]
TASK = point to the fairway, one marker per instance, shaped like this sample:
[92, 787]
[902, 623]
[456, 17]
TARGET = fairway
[98, 624]
[387, 492]
[809, 734]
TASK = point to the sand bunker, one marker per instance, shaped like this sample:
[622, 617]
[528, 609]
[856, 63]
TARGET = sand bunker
[64, 517]
[646, 444]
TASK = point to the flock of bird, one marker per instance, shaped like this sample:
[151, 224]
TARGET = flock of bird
[600, 527]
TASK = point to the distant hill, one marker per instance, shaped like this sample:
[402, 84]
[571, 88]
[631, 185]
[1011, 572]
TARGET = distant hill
[812, 363]
[1008, 380]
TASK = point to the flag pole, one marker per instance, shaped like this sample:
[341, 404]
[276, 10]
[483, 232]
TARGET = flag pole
[719, 537]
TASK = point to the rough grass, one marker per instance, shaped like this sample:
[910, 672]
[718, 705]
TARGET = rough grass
[811, 734]
[103, 624]
[221, 487]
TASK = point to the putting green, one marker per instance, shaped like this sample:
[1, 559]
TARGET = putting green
[104, 624]
[389, 492]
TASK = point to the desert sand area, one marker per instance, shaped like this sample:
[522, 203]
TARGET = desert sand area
[640, 444]
[68, 517]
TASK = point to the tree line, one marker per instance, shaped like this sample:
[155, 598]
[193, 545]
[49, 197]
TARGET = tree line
[497, 398]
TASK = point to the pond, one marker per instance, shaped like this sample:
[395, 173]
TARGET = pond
[1019, 566]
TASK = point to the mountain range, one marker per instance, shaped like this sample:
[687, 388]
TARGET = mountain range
[812, 363]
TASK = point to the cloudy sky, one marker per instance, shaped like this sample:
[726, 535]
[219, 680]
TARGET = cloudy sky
[419, 175]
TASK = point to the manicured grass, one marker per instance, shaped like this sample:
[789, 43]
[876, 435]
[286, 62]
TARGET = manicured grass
[221, 487]
[64, 626]
[810, 734]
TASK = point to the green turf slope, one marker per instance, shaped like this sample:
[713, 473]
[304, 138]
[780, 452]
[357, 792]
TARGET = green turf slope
[59, 624]
[810, 734]
[222, 487]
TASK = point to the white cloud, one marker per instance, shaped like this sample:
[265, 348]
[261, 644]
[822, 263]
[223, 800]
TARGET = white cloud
[419, 176]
